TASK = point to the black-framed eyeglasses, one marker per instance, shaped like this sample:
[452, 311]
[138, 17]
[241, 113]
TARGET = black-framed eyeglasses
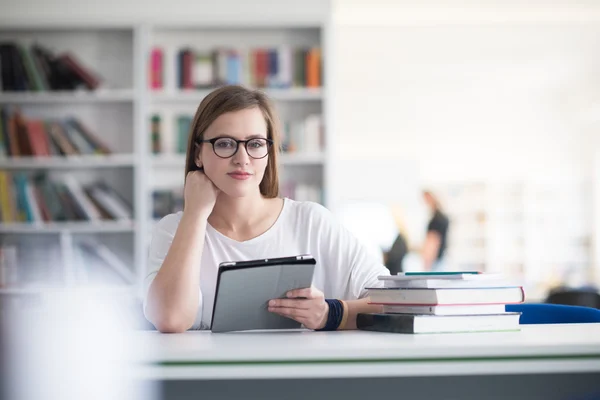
[225, 147]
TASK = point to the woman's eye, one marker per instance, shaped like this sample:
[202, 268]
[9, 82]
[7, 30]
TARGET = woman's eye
[225, 144]
[256, 144]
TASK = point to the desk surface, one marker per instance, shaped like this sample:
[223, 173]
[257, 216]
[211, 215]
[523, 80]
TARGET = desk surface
[204, 355]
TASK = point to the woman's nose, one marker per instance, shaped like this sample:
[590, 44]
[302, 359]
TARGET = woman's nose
[241, 156]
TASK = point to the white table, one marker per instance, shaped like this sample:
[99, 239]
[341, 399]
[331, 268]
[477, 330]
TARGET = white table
[537, 355]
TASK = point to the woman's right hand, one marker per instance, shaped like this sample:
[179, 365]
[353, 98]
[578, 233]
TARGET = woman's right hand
[199, 193]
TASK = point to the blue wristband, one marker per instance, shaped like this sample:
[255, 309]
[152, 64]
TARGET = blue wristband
[335, 316]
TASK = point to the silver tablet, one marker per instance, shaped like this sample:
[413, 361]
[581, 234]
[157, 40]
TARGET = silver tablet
[244, 289]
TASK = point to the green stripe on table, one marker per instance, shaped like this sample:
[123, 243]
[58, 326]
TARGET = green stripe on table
[216, 363]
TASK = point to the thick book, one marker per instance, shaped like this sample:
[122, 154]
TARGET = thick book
[478, 309]
[445, 281]
[468, 296]
[406, 323]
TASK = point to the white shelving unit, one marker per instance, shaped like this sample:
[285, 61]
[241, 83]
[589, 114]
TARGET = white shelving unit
[120, 113]
[68, 162]
[45, 250]
[68, 97]
[196, 96]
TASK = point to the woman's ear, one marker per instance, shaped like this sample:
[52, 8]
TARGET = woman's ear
[198, 157]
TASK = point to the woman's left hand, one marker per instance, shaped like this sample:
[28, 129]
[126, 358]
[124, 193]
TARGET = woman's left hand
[311, 311]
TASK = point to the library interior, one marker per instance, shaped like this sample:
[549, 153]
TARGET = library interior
[428, 186]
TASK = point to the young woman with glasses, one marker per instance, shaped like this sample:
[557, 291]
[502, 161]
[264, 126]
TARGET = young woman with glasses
[232, 212]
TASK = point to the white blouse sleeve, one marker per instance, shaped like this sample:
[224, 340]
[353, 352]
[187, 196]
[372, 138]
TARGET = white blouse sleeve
[162, 237]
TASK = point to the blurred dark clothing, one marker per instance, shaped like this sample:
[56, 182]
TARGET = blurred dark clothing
[396, 255]
[574, 297]
[439, 223]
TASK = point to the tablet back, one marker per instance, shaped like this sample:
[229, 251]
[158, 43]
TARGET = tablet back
[242, 296]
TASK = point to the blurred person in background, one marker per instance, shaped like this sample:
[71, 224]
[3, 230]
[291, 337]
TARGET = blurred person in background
[434, 245]
[394, 258]
[233, 212]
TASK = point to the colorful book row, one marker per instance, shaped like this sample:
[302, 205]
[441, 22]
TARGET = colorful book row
[38, 199]
[282, 67]
[20, 136]
[298, 136]
[36, 68]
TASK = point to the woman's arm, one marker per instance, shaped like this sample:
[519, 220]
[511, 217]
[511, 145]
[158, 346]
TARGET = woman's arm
[354, 307]
[174, 295]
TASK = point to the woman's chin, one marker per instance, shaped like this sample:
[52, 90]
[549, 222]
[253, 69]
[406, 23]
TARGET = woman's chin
[237, 191]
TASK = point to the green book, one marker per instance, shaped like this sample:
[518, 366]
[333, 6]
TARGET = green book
[184, 122]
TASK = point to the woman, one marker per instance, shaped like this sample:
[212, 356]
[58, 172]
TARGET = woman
[232, 212]
[434, 245]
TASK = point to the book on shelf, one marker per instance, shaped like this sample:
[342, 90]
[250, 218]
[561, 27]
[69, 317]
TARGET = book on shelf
[37, 68]
[38, 199]
[303, 135]
[22, 136]
[166, 201]
[169, 134]
[25, 264]
[95, 263]
[8, 265]
[301, 191]
[262, 67]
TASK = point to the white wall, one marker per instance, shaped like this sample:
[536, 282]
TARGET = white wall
[466, 100]
[179, 11]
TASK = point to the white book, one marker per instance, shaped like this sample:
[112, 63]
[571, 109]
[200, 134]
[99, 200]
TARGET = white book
[446, 310]
[284, 55]
[447, 283]
[167, 136]
[312, 133]
[33, 204]
[247, 67]
[86, 205]
[441, 280]
[469, 296]
[203, 71]
[111, 204]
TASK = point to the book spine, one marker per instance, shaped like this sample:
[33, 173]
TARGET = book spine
[156, 69]
[90, 80]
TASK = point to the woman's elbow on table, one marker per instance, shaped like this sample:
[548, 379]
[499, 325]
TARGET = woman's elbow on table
[172, 324]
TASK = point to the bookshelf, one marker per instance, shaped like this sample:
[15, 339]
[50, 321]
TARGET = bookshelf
[119, 111]
[539, 233]
[46, 249]
[304, 173]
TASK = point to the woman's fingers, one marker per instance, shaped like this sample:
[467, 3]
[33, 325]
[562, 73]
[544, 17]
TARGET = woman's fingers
[293, 313]
[308, 293]
[291, 303]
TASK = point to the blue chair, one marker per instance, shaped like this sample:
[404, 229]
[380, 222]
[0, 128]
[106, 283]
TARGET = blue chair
[554, 313]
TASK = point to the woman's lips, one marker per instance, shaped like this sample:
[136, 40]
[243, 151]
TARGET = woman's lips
[241, 176]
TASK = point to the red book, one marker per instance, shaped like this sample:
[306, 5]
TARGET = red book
[90, 80]
[187, 70]
[262, 67]
[38, 138]
[156, 69]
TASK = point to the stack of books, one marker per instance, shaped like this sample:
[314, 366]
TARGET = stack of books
[443, 302]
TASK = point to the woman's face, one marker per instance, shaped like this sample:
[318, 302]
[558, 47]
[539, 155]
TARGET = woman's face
[240, 174]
